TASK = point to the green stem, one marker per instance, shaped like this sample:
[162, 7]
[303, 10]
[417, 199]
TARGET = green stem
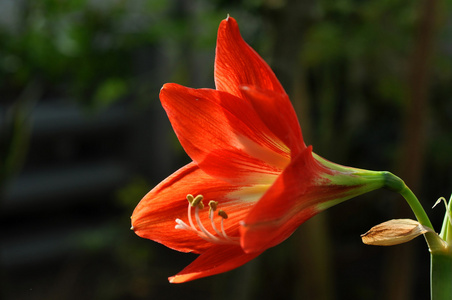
[441, 263]
[441, 254]
[396, 184]
[416, 207]
[441, 276]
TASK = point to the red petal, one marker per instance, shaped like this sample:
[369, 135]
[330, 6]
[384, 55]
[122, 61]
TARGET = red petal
[223, 134]
[236, 63]
[218, 259]
[276, 110]
[155, 215]
[291, 200]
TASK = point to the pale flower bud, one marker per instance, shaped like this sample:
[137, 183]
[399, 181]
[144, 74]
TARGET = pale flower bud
[394, 232]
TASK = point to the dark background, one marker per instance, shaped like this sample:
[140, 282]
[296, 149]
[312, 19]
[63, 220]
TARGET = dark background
[83, 137]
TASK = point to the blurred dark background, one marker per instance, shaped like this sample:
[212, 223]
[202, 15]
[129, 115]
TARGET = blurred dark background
[83, 137]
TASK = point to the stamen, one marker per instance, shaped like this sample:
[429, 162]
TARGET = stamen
[194, 202]
[202, 232]
[224, 216]
[190, 198]
[212, 206]
[189, 216]
[222, 230]
[197, 201]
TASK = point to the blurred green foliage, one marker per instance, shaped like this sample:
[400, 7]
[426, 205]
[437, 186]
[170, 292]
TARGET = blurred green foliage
[347, 32]
[86, 49]
[80, 49]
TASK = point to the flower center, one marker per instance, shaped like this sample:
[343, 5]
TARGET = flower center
[219, 236]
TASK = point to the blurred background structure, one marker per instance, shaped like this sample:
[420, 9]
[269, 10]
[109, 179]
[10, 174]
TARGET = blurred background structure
[83, 137]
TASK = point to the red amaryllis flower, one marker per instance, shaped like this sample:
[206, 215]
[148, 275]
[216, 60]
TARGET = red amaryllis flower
[252, 181]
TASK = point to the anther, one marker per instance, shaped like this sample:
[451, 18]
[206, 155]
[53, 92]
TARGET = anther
[197, 202]
[212, 206]
[222, 214]
[190, 198]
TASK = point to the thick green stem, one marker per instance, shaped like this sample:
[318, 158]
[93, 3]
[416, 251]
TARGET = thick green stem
[441, 262]
[441, 276]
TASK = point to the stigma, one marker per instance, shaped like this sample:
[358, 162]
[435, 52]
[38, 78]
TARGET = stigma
[214, 235]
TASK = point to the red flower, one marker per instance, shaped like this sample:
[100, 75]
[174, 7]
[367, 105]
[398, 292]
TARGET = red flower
[250, 166]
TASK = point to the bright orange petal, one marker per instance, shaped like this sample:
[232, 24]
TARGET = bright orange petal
[155, 216]
[223, 134]
[288, 203]
[276, 110]
[236, 63]
[218, 259]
